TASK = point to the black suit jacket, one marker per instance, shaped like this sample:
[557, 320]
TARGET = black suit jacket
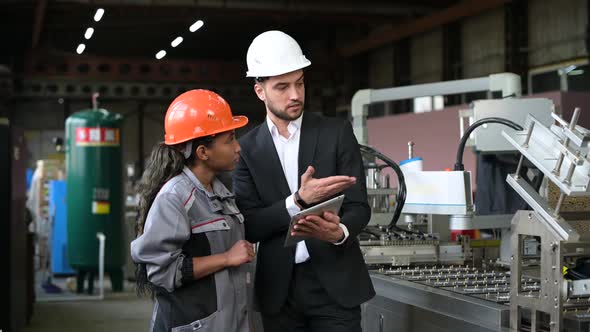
[260, 186]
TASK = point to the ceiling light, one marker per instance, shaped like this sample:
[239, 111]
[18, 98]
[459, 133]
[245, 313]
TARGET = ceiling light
[160, 54]
[88, 33]
[196, 26]
[98, 15]
[80, 48]
[176, 41]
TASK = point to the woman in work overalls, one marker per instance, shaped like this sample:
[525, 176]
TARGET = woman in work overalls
[190, 250]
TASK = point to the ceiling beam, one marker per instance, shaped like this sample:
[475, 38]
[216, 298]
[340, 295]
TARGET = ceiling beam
[166, 14]
[378, 8]
[387, 35]
[56, 65]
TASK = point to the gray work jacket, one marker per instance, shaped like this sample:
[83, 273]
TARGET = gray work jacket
[186, 221]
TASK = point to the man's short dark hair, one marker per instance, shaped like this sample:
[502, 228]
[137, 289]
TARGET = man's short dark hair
[260, 79]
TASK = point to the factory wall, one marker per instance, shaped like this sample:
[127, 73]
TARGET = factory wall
[381, 72]
[41, 122]
[435, 135]
[426, 57]
[557, 30]
[483, 44]
[381, 67]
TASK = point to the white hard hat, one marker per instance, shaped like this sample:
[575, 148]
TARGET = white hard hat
[274, 53]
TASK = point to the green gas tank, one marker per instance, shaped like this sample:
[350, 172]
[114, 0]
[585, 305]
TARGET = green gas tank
[94, 189]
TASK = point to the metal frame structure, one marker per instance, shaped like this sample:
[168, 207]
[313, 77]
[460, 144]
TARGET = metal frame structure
[448, 311]
[50, 88]
[560, 152]
[130, 69]
[508, 83]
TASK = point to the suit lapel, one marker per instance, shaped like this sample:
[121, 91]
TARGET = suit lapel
[269, 162]
[307, 143]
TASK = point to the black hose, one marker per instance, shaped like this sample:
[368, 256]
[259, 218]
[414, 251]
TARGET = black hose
[417, 232]
[576, 275]
[366, 231]
[401, 191]
[459, 161]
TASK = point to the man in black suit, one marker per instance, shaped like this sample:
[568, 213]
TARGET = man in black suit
[292, 161]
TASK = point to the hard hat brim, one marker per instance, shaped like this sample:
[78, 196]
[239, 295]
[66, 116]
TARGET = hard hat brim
[270, 73]
[239, 121]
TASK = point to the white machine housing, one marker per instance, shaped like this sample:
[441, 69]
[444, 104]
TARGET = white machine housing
[486, 138]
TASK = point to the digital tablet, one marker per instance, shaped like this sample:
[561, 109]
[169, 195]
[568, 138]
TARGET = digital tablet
[333, 205]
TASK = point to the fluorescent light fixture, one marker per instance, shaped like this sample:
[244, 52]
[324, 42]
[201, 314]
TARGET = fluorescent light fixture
[196, 26]
[80, 48]
[176, 41]
[160, 54]
[576, 72]
[98, 15]
[88, 33]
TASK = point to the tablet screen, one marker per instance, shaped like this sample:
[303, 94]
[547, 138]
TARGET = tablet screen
[333, 205]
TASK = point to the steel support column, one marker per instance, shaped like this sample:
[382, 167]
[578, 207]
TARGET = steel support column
[516, 38]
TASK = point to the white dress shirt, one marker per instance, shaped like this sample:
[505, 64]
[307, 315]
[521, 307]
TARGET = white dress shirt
[288, 152]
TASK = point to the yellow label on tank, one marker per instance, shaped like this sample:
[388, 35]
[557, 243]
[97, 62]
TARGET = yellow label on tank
[101, 207]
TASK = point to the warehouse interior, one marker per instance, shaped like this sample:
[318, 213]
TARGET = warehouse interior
[410, 76]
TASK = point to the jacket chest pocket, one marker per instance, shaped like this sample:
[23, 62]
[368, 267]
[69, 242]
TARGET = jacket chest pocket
[217, 230]
[227, 207]
[210, 225]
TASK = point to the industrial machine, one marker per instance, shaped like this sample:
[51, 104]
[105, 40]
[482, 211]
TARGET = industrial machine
[436, 201]
[434, 196]
[384, 242]
[425, 280]
[538, 277]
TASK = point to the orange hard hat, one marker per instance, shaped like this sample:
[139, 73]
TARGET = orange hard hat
[199, 113]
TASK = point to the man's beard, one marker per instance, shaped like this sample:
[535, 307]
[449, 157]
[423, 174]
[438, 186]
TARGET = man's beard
[282, 114]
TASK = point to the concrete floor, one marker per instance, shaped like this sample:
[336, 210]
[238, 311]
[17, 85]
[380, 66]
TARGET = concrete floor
[118, 312]
[69, 312]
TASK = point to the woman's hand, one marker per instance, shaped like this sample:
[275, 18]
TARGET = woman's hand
[241, 252]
